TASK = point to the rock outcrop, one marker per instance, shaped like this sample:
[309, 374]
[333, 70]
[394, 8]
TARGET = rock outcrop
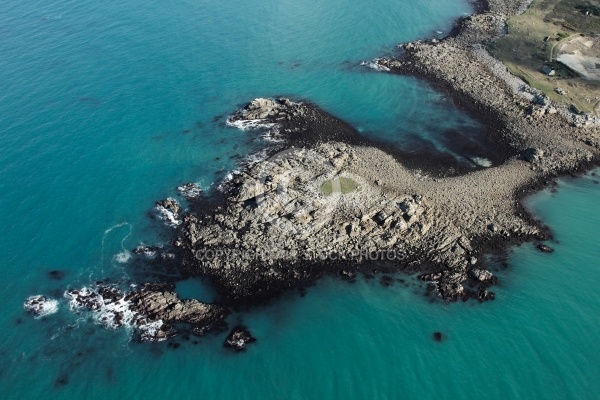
[40, 306]
[239, 338]
[151, 310]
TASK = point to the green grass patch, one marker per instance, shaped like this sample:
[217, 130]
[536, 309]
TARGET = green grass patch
[339, 185]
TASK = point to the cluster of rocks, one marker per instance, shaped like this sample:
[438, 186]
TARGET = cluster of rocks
[40, 305]
[151, 310]
[239, 338]
[278, 206]
[272, 109]
[538, 111]
[532, 155]
[449, 283]
[291, 123]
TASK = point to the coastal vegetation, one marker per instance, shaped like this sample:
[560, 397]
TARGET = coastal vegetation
[535, 41]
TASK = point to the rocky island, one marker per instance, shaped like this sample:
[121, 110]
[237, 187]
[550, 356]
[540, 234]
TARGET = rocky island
[324, 200]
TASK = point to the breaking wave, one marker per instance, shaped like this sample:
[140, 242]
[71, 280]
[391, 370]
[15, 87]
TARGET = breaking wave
[250, 124]
[40, 306]
[122, 257]
[111, 309]
[375, 65]
[167, 215]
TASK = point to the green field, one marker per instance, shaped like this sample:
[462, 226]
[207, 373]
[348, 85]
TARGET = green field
[534, 39]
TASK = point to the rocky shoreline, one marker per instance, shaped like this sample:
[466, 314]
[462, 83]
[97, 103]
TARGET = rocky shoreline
[326, 201]
[517, 115]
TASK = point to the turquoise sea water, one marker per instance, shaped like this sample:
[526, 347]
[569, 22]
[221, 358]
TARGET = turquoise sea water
[106, 107]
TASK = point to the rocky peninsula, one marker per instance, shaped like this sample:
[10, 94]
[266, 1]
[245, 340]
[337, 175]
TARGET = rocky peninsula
[324, 200]
[280, 229]
[440, 224]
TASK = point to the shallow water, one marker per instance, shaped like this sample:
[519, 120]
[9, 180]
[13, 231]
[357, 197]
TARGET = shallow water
[107, 107]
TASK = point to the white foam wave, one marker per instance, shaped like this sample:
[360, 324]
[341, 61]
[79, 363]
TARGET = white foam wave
[272, 135]
[151, 331]
[250, 124]
[168, 216]
[255, 158]
[228, 178]
[107, 232]
[40, 305]
[375, 65]
[122, 257]
[114, 312]
[190, 190]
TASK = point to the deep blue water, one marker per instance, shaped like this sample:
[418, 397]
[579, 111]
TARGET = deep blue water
[106, 107]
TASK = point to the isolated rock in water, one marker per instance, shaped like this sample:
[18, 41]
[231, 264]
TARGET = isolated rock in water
[148, 251]
[545, 248]
[484, 295]
[532, 155]
[239, 338]
[438, 336]
[40, 306]
[214, 327]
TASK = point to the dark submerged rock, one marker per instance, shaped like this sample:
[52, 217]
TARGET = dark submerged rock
[545, 248]
[484, 295]
[213, 327]
[57, 275]
[62, 380]
[438, 336]
[386, 281]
